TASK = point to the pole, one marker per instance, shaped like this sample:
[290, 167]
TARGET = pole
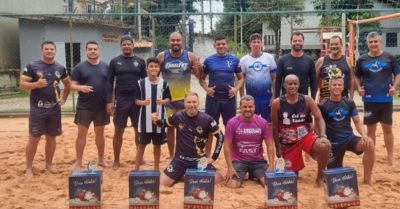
[235, 33]
[139, 22]
[241, 31]
[153, 35]
[202, 17]
[71, 54]
[120, 10]
[211, 17]
[183, 25]
[344, 33]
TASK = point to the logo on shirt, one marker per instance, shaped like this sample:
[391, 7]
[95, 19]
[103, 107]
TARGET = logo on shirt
[246, 148]
[286, 121]
[248, 131]
[181, 126]
[229, 63]
[258, 66]
[289, 68]
[119, 63]
[332, 70]
[199, 130]
[375, 65]
[176, 66]
[25, 69]
[58, 74]
[213, 123]
[338, 113]
[136, 63]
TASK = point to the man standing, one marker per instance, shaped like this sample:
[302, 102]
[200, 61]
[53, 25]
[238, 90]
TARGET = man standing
[334, 64]
[89, 78]
[259, 71]
[125, 70]
[299, 64]
[192, 134]
[291, 130]
[243, 147]
[373, 78]
[221, 89]
[176, 68]
[42, 78]
[337, 111]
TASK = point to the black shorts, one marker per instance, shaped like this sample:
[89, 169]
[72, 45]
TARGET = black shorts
[85, 116]
[177, 167]
[256, 169]
[157, 138]
[337, 154]
[45, 121]
[375, 112]
[124, 107]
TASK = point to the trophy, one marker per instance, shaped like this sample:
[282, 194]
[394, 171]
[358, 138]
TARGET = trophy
[280, 165]
[92, 166]
[202, 164]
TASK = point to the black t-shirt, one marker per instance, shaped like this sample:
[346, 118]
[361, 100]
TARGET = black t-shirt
[95, 76]
[48, 96]
[192, 133]
[126, 71]
[337, 117]
[303, 67]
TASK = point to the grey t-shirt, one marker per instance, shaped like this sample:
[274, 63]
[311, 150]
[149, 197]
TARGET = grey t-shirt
[91, 75]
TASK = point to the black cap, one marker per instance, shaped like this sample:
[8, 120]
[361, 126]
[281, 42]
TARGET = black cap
[126, 37]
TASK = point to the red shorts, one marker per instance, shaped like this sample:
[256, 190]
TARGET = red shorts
[292, 154]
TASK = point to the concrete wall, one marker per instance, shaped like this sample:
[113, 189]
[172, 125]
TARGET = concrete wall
[33, 33]
[203, 46]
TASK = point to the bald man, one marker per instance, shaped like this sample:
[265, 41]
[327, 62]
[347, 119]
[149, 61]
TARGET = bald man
[292, 132]
[176, 68]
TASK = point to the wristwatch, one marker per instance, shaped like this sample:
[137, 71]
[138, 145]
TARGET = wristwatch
[322, 135]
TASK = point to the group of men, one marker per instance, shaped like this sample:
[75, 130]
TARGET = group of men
[122, 90]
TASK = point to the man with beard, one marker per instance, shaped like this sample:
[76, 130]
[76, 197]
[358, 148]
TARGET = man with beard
[176, 68]
[193, 128]
[334, 64]
[221, 89]
[337, 112]
[243, 147]
[299, 64]
[42, 78]
[373, 78]
[125, 70]
[89, 78]
[292, 132]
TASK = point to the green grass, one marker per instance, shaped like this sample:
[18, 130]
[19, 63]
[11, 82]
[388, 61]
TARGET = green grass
[396, 97]
[20, 94]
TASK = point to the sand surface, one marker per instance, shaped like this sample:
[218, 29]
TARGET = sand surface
[50, 191]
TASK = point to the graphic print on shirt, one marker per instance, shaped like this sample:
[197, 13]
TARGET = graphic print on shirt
[176, 66]
[338, 113]
[257, 66]
[331, 70]
[375, 65]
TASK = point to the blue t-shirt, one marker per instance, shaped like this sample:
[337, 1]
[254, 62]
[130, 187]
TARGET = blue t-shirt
[221, 72]
[337, 116]
[376, 74]
[257, 71]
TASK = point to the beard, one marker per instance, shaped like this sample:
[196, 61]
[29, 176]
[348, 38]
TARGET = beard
[297, 48]
[247, 114]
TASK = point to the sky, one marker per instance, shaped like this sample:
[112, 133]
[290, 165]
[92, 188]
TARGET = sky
[216, 6]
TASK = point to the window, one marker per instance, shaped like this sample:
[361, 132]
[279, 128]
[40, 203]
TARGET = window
[89, 8]
[391, 39]
[70, 6]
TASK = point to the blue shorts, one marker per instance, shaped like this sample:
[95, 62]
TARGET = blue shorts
[45, 121]
[226, 108]
[263, 108]
[124, 107]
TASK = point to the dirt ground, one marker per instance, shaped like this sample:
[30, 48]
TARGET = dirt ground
[50, 191]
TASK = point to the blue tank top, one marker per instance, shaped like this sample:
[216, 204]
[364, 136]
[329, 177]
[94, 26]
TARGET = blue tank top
[177, 72]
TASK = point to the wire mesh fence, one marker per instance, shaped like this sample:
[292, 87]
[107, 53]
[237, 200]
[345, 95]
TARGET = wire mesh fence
[151, 22]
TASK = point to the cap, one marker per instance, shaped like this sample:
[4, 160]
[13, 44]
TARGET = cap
[126, 37]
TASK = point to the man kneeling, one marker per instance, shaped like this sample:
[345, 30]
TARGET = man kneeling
[243, 144]
[192, 131]
[337, 112]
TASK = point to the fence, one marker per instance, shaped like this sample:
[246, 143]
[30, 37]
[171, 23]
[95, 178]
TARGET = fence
[22, 34]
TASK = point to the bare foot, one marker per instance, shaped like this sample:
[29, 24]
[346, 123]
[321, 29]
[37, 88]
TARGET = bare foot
[115, 165]
[103, 163]
[51, 169]
[29, 173]
[369, 182]
[391, 161]
[76, 165]
[144, 162]
[320, 183]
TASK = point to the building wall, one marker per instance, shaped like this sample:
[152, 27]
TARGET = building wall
[9, 44]
[33, 33]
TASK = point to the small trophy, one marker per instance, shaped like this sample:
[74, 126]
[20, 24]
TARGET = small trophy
[280, 165]
[202, 164]
[92, 166]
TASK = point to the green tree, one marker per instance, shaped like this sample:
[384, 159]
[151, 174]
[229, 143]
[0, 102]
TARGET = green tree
[334, 19]
[273, 21]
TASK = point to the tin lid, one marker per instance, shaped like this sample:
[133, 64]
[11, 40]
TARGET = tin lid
[209, 172]
[85, 173]
[272, 174]
[144, 173]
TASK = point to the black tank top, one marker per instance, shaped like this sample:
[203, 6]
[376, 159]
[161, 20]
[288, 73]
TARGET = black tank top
[330, 68]
[294, 120]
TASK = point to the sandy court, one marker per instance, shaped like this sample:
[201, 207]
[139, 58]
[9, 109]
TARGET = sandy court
[50, 191]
